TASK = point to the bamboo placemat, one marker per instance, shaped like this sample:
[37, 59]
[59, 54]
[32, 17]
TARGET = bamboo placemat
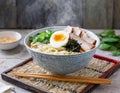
[95, 68]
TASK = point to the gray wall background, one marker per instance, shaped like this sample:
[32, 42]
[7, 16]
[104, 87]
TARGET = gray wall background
[94, 14]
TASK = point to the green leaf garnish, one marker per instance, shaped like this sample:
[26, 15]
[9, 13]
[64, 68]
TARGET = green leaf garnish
[43, 37]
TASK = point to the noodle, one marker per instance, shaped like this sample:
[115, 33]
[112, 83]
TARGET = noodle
[48, 49]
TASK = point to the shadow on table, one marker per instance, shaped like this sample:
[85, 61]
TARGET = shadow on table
[14, 51]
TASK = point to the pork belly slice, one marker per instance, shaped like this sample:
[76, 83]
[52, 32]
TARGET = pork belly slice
[87, 38]
[77, 31]
[85, 46]
[68, 29]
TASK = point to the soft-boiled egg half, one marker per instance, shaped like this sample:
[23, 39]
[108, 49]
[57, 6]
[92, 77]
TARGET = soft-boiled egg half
[59, 39]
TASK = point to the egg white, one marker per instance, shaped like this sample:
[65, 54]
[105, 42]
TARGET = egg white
[57, 44]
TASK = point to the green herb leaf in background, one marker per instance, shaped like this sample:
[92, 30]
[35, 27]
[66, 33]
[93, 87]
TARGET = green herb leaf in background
[110, 39]
[104, 46]
[108, 32]
[116, 53]
[110, 42]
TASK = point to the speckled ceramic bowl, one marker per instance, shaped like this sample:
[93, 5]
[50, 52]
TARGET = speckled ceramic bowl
[11, 45]
[61, 64]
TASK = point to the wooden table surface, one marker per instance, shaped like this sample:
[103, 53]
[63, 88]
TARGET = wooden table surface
[12, 57]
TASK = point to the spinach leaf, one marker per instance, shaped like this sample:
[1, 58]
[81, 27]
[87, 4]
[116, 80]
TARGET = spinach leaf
[31, 38]
[43, 37]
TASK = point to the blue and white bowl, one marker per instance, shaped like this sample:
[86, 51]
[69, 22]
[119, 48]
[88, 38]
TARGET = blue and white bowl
[61, 64]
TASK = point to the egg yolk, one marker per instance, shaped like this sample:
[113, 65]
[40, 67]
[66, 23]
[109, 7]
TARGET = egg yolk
[59, 37]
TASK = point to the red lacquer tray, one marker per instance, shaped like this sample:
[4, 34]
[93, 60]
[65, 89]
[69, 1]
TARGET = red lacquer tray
[99, 66]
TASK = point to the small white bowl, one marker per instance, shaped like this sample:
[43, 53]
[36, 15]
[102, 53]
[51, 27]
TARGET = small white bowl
[11, 45]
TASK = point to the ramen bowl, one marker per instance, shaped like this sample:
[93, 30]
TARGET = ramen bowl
[61, 64]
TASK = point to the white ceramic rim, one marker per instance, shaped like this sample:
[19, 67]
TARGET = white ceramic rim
[18, 34]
